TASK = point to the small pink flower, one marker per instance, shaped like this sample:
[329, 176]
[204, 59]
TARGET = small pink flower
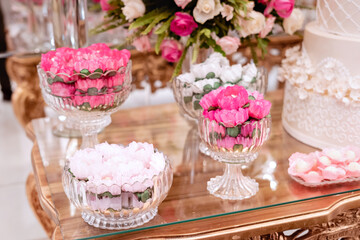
[142, 44]
[233, 97]
[282, 7]
[231, 118]
[259, 108]
[62, 89]
[183, 24]
[229, 44]
[171, 50]
[227, 142]
[210, 99]
[182, 3]
[105, 5]
[268, 26]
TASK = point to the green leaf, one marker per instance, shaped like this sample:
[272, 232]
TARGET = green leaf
[216, 85]
[251, 97]
[246, 105]
[210, 75]
[92, 91]
[232, 132]
[187, 99]
[197, 105]
[165, 26]
[262, 43]
[99, 70]
[268, 116]
[159, 41]
[159, 17]
[85, 72]
[146, 19]
[207, 88]
[238, 147]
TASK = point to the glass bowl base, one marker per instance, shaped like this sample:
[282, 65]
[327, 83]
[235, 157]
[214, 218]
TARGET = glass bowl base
[232, 187]
[98, 221]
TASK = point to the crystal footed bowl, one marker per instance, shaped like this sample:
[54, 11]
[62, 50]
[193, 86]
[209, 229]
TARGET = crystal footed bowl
[189, 94]
[236, 147]
[87, 99]
[118, 206]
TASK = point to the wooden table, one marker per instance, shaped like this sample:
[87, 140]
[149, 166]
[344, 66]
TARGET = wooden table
[189, 210]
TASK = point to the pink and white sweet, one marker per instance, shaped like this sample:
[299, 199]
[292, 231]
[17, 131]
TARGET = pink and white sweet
[89, 76]
[117, 177]
[234, 117]
[329, 165]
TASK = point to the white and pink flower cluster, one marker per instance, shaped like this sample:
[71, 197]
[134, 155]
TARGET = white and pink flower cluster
[115, 169]
[327, 165]
[87, 75]
[235, 116]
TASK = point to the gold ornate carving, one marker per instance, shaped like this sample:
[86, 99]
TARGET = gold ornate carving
[27, 100]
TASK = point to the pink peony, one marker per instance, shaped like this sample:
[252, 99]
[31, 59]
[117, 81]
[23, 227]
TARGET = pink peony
[229, 44]
[183, 24]
[209, 115]
[231, 118]
[233, 97]
[268, 26]
[142, 44]
[259, 108]
[256, 95]
[182, 3]
[105, 5]
[282, 7]
[210, 99]
[227, 142]
[248, 128]
[62, 89]
[171, 50]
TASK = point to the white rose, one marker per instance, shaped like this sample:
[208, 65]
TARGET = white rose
[231, 74]
[250, 72]
[133, 9]
[219, 59]
[186, 78]
[227, 12]
[206, 9]
[294, 22]
[253, 25]
[202, 69]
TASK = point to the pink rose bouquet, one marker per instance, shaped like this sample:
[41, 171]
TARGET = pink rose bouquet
[88, 77]
[205, 24]
[234, 119]
[325, 167]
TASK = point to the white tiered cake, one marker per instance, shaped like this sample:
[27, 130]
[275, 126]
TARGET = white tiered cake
[322, 92]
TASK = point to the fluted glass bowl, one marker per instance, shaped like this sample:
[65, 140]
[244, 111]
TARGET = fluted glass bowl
[188, 95]
[118, 207]
[87, 99]
[236, 147]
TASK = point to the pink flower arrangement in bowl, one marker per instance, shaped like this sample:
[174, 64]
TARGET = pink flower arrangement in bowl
[117, 187]
[330, 166]
[234, 125]
[86, 85]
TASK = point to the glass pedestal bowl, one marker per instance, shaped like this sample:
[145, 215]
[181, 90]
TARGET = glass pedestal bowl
[87, 100]
[236, 147]
[189, 94]
[118, 207]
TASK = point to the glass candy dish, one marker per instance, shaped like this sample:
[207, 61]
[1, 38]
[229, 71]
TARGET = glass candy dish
[87, 99]
[189, 94]
[236, 147]
[118, 207]
[325, 182]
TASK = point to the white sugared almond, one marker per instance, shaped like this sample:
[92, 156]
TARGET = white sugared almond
[325, 160]
[350, 155]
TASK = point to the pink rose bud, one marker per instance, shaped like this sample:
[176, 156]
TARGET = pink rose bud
[183, 24]
[284, 7]
[105, 5]
[142, 44]
[182, 3]
[268, 26]
[229, 44]
[259, 108]
[171, 50]
[231, 118]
